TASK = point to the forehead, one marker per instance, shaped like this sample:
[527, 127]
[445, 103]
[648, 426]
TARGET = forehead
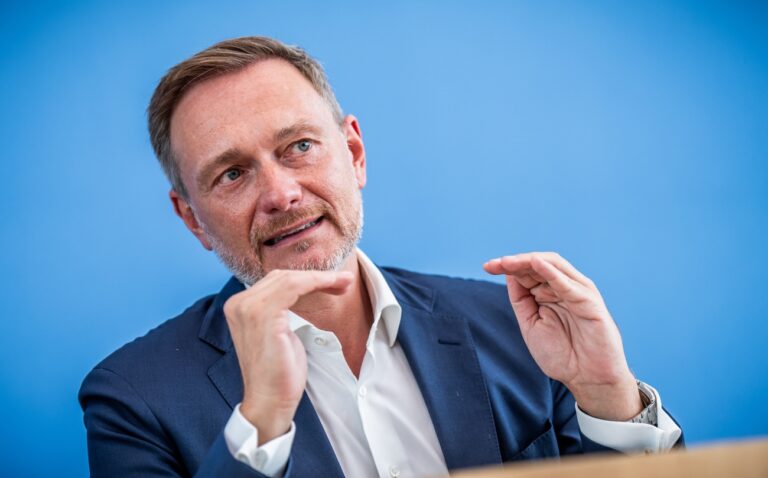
[243, 108]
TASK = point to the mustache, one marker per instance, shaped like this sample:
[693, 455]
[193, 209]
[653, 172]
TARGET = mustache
[262, 232]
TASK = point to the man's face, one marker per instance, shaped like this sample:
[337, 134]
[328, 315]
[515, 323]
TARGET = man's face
[273, 180]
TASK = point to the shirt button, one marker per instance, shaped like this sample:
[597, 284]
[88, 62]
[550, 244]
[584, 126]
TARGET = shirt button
[320, 341]
[362, 391]
[394, 471]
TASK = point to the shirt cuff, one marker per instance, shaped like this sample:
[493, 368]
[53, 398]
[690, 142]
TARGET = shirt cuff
[242, 440]
[632, 437]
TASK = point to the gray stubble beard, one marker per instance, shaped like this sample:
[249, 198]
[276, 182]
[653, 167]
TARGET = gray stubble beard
[249, 273]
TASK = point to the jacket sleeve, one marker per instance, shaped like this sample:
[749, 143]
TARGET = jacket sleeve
[125, 439]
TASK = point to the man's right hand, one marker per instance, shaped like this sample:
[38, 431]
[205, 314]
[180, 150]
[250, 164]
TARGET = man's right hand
[272, 358]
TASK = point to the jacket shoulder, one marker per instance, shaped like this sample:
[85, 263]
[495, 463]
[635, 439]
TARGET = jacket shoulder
[171, 344]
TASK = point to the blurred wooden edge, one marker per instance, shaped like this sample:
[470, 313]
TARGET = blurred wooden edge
[731, 460]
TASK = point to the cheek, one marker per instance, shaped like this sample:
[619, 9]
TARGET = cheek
[330, 179]
[230, 220]
[342, 177]
[339, 186]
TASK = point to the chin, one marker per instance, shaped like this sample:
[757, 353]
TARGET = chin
[313, 257]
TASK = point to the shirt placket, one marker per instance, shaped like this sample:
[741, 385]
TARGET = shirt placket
[325, 351]
[374, 419]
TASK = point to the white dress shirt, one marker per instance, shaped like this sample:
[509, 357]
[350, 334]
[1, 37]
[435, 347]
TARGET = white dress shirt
[377, 422]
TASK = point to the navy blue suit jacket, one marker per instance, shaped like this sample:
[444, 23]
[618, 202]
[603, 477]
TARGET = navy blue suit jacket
[158, 406]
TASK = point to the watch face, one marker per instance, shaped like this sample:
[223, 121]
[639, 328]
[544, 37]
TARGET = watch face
[645, 399]
[649, 414]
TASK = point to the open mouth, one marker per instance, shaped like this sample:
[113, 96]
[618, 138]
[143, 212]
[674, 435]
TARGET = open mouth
[292, 232]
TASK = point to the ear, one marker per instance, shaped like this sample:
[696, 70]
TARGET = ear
[187, 214]
[351, 130]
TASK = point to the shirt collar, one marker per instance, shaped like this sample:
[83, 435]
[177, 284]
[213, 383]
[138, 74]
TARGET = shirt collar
[384, 305]
[383, 302]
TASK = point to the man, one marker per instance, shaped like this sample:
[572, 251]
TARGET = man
[312, 361]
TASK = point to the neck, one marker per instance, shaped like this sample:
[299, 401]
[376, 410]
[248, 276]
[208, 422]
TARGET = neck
[348, 315]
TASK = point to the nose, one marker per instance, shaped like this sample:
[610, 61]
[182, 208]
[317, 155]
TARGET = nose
[280, 190]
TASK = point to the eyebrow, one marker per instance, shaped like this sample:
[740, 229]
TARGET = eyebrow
[227, 157]
[294, 130]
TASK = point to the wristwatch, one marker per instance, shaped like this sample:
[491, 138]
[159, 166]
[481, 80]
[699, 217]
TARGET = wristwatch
[650, 414]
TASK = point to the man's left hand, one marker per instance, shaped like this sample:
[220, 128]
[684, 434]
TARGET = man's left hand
[569, 332]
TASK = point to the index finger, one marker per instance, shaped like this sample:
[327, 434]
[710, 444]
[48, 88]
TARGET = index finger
[520, 262]
[283, 288]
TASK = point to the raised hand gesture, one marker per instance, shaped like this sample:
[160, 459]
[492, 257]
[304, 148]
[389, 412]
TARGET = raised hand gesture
[569, 332]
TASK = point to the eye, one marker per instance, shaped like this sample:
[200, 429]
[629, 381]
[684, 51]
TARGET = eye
[303, 146]
[231, 175]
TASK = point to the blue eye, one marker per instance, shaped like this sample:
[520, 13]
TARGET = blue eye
[232, 174]
[303, 145]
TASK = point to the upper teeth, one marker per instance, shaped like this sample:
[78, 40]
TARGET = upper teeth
[294, 231]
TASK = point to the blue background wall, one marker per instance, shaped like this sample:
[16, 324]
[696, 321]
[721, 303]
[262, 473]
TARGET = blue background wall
[630, 138]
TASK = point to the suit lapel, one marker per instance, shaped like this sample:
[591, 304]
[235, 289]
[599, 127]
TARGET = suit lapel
[314, 452]
[442, 356]
[317, 457]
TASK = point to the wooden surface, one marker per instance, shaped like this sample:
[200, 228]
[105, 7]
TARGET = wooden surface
[746, 459]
